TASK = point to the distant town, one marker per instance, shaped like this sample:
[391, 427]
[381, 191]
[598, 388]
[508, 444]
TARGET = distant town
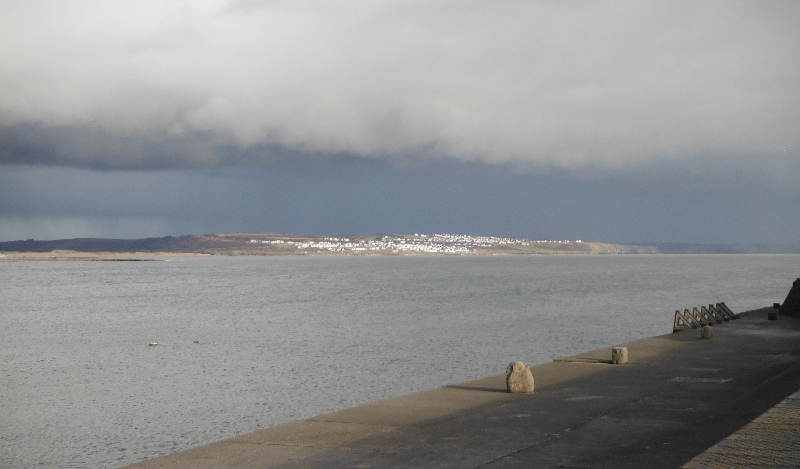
[435, 243]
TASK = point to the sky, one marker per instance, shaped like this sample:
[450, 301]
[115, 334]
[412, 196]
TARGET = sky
[604, 121]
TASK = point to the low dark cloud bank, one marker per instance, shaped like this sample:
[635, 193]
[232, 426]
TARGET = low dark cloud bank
[607, 120]
[345, 197]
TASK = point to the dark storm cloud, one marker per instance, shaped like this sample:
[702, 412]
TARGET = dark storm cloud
[97, 149]
[151, 84]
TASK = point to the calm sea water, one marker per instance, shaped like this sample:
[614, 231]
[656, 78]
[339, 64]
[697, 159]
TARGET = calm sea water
[247, 343]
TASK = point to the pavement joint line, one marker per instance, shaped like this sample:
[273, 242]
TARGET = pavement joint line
[567, 430]
[288, 445]
[505, 456]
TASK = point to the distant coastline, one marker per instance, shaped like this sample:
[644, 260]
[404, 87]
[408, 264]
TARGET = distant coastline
[265, 244]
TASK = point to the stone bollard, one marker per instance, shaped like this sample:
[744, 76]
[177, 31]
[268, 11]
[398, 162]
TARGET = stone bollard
[707, 332]
[519, 378]
[619, 355]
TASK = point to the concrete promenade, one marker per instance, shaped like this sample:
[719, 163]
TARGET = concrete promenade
[680, 401]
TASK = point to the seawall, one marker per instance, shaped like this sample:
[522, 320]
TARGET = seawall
[677, 397]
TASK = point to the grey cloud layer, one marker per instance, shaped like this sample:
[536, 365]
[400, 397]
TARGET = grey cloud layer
[596, 84]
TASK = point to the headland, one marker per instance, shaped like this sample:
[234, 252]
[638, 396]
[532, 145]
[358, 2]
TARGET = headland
[266, 244]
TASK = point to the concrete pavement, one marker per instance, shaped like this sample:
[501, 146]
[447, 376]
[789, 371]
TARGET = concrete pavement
[678, 397]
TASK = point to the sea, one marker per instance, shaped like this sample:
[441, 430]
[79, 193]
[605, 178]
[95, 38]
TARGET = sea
[245, 343]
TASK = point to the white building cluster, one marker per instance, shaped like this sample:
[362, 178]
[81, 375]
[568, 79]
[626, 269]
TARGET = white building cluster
[435, 243]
